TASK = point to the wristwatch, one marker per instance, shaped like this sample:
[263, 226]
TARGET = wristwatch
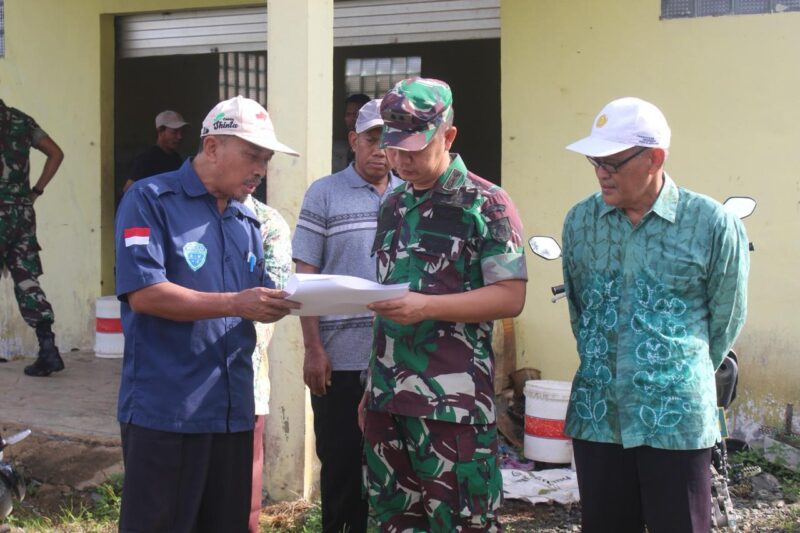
[37, 190]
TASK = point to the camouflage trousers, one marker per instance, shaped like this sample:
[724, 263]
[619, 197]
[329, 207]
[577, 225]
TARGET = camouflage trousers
[430, 476]
[19, 252]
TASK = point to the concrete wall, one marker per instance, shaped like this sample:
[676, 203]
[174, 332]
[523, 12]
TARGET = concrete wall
[59, 68]
[728, 86]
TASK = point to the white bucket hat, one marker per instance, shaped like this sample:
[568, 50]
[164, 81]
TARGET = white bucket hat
[622, 124]
[246, 119]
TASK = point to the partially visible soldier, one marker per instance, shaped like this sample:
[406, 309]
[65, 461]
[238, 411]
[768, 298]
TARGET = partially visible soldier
[19, 249]
[456, 239]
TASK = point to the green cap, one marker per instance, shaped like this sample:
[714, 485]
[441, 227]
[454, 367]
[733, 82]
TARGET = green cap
[412, 111]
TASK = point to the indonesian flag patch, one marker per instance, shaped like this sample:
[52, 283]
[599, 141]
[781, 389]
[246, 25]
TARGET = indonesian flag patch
[134, 236]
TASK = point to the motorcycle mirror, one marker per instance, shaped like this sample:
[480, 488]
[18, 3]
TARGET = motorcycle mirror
[545, 247]
[13, 439]
[740, 206]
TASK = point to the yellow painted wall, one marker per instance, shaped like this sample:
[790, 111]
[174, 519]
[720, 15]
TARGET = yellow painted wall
[729, 88]
[58, 68]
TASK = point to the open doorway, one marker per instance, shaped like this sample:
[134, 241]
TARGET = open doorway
[470, 67]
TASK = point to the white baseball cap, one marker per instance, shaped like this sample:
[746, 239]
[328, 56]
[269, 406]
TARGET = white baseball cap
[170, 119]
[622, 124]
[369, 116]
[246, 119]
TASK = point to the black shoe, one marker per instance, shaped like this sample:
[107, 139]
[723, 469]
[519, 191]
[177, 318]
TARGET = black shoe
[49, 361]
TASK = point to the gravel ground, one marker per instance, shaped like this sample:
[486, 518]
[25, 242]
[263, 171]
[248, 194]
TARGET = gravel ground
[754, 516]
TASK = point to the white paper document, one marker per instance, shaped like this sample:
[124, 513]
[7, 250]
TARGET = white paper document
[329, 294]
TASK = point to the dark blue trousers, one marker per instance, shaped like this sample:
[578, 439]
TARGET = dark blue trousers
[185, 482]
[622, 490]
[340, 448]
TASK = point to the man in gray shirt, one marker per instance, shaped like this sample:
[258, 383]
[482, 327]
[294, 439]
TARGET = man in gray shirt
[334, 236]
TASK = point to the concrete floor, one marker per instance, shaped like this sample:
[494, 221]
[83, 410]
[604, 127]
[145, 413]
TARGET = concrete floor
[79, 402]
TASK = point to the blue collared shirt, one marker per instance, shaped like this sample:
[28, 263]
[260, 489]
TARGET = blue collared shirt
[654, 310]
[187, 377]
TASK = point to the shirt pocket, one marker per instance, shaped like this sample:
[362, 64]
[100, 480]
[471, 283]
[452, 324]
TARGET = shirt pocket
[438, 264]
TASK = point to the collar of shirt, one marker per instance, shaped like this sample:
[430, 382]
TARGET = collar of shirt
[665, 206]
[355, 181]
[193, 187]
[450, 180]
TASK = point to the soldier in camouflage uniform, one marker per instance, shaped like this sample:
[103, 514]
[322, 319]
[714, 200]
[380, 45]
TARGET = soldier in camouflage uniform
[429, 423]
[19, 249]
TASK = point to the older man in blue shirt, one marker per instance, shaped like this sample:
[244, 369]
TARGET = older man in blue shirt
[656, 279]
[190, 275]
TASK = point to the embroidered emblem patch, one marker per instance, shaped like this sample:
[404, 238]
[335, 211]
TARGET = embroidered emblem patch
[195, 254]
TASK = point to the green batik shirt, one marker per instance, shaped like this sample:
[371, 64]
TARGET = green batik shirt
[654, 310]
[462, 234]
[18, 132]
[277, 241]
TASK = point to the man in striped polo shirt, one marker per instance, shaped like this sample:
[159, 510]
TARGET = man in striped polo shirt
[334, 236]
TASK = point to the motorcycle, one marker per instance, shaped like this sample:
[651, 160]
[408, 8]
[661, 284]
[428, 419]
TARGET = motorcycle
[12, 486]
[726, 378]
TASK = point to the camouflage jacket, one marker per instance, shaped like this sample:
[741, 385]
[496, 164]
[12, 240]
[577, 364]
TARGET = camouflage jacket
[461, 235]
[18, 132]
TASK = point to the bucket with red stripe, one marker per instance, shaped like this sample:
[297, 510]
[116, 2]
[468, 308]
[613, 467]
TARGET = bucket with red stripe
[109, 341]
[545, 411]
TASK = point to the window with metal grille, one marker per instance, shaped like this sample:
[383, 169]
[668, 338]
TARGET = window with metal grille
[671, 9]
[374, 76]
[243, 73]
[2, 28]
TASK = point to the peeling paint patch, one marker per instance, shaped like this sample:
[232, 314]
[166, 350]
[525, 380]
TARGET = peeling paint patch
[10, 347]
[750, 417]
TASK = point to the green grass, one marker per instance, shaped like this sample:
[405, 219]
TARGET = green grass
[790, 480]
[99, 516]
[310, 522]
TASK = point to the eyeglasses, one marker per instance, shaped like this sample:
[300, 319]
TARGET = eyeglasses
[613, 168]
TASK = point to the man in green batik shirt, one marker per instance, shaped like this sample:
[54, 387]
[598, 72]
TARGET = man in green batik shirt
[429, 428]
[656, 280]
[277, 241]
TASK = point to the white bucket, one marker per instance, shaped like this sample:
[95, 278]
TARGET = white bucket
[545, 411]
[109, 341]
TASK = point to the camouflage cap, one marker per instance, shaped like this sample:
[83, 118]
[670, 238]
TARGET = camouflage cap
[412, 111]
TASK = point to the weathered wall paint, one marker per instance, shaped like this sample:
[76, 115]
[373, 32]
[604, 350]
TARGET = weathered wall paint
[59, 68]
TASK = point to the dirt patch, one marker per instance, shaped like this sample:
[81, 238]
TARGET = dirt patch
[59, 469]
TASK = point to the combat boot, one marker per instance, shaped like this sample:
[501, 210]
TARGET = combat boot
[49, 360]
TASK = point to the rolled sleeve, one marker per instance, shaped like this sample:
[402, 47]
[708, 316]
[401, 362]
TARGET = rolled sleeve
[502, 255]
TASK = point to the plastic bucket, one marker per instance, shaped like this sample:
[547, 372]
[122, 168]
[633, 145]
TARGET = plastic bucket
[109, 340]
[545, 411]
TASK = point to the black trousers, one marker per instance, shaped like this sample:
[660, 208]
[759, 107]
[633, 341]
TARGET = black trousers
[340, 448]
[185, 482]
[624, 489]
